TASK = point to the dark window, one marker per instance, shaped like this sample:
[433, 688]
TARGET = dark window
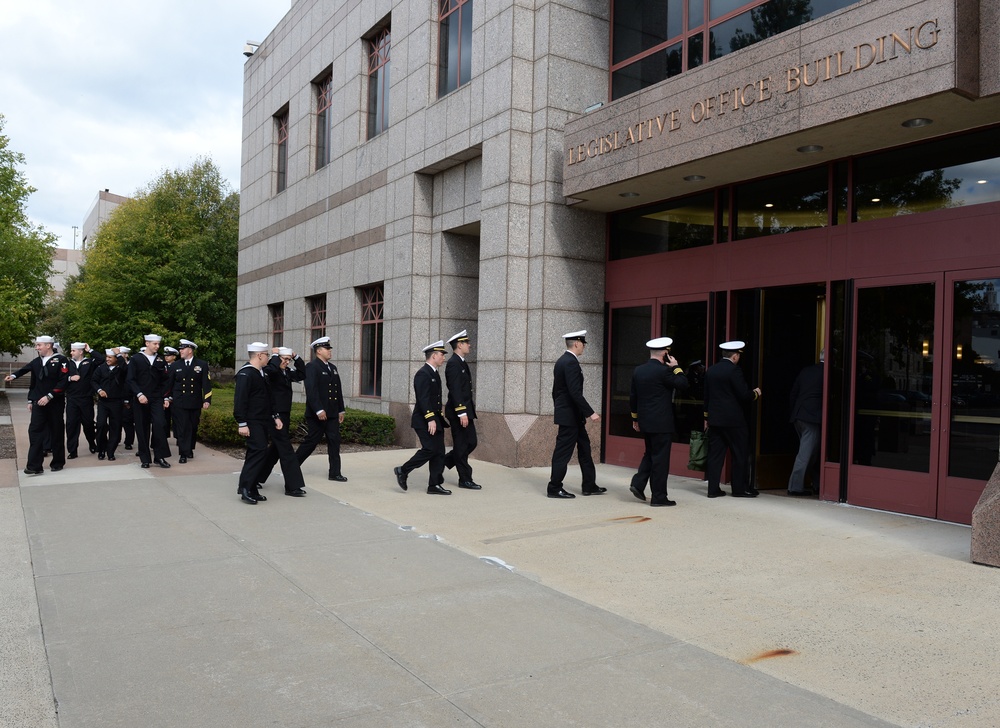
[687, 325]
[675, 225]
[281, 140]
[277, 315]
[645, 28]
[455, 59]
[316, 309]
[378, 83]
[324, 121]
[785, 204]
[372, 298]
[954, 172]
[630, 328]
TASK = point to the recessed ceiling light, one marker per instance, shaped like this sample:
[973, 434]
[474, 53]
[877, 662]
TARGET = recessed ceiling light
[917, 123]
[694, 178]
[810, 149]
[876, 199]
[768, 204]
[628, 194]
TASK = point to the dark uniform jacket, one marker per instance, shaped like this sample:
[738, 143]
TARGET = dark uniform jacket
[323, 390]
[652, 394]
[726, 395]
[252, 402]
[147, 379]
[48, 380]
[189, 386]
[281, 381]
[111, 381]
[85, 368]
[571, 408]
[459, 379]
[807, 395]
[427, 388]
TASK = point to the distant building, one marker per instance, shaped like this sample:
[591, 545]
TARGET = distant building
[99, 212]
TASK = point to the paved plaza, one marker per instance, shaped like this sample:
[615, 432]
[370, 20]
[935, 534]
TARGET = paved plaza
[156, 598]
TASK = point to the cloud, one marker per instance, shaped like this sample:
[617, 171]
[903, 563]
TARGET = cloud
[110, 94]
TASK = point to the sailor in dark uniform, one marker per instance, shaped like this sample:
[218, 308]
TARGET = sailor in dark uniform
[46, 401]
[324, 408]
[283, 369]
[169, 356]
[651, 400]
[190, 392]
[255, 418]
[726, 397]
[428, 422]
[147, 383]
[80, 400]
[461, 410]
[571, 412]
[128, 418]
[108, 383]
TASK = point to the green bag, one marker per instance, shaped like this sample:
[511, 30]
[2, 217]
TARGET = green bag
[699, 450]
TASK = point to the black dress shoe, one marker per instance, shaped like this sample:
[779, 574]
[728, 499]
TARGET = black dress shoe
[56, 468]
[560, 494]
[100, 456]
[162, 463]
[659, 504]
[637, 493]
[400, 477]
[71, 456]
[246, 497]
[338, 478]
[256, 495]
[753, 491]
[737, 494]
[47, 453]
[182, 459]
[128, 447]
[717, 495]
[470, 485]
[145, 465]
[93, 449]
[111, 457]
[297, 493]
[437, 490]
[29, 471]
[596, 490]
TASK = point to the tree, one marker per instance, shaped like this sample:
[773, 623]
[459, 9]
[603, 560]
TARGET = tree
[25, 255]
[164, 262]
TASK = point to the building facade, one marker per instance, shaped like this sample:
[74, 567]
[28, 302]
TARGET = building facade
[800, 174]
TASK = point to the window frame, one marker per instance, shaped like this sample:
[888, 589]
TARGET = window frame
[323, 90]
[459, 11]
[379, 48]
[372, 316]
[281, 135]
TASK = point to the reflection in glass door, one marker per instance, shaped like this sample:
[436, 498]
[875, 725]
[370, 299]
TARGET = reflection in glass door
[630, 327]
[894, 414]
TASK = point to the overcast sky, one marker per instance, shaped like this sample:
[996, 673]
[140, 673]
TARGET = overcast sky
[110, 93]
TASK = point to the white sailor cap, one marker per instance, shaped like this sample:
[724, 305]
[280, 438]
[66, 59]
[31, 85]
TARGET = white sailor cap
[170, 350]
[186, 342]
[152, 337]
[124, 350]
[732, 346]
[462, 335]
[257, 346]
[664, 342]
[436, 346]
[322, 342]
[285, 351]
[44, 340]
[576, 336]
[109, 352]
[78, 345]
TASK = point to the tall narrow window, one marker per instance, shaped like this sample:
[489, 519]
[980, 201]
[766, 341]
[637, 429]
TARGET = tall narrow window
[378, 83]
[316, 306]
[281, 139]
[277, 314]
[324, 121]
[371, 340]
[455, 59]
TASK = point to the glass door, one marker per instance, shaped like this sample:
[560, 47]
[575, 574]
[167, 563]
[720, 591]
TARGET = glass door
[896, 409]
[631, 326]
[971, 422]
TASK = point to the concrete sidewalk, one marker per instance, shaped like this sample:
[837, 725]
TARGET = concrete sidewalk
[165, 601]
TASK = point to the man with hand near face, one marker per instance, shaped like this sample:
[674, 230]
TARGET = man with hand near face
[428, 422]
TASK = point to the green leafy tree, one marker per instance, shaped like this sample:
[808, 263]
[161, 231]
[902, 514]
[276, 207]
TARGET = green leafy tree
[25, 255]
[164, 262]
